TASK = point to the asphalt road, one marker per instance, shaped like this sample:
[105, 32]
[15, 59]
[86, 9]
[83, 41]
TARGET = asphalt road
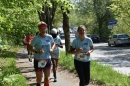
[117, 57]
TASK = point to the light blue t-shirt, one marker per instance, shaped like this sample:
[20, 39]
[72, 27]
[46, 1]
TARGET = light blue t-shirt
[57, 40]
[42, 43]
[85, 44]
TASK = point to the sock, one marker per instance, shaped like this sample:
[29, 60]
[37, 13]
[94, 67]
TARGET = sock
[46, 84]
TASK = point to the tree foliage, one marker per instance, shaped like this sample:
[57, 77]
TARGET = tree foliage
[95, 15]
[17, 18]
[121, 10]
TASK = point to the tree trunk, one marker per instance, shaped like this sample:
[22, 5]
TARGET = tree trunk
[48, 15]
[66, 32]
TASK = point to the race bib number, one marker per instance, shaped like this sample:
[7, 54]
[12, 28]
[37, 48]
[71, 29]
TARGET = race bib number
[42, 63]
[81, 56]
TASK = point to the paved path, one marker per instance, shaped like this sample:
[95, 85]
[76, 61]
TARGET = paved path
[65, 78]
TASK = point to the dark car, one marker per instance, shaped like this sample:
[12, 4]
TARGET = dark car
[62, 36]
[88, 35]
[95, 38]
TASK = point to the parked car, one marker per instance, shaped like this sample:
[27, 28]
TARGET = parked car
[88, 35]
[62, 36]
[119, 39]
[95, 38]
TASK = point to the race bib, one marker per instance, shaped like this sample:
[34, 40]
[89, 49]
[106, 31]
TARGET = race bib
[42, 63]
[81, 56]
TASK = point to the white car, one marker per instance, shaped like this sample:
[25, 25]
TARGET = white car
[119, 39]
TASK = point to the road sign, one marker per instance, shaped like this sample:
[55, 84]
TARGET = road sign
[112, 22]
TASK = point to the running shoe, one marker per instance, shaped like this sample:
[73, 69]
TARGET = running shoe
[55, 80]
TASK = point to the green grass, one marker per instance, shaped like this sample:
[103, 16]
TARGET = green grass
[102, 75]
[9, 74]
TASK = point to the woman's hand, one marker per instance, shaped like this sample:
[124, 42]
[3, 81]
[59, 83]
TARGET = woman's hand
[79, 50]
[40, 51]
[51, 50]
[87, 54]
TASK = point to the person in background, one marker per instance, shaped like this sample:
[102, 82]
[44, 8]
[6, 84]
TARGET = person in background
[56, 52]
[82, 46]
[42, 45]
[28, 41]
[24, 41]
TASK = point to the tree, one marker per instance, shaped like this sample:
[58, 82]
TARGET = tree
[17, 18]
[121, 10]
[66, 7]
[48, 13]
[103, 15]
[95, 15]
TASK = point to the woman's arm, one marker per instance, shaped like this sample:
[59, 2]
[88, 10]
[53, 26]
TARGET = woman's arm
[31, 48]
[90, 51]
[52, 47]
[60, 45]
[74, 51]
[35, 51]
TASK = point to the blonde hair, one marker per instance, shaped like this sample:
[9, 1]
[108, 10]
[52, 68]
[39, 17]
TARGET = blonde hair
[41, 22]
[81, 26]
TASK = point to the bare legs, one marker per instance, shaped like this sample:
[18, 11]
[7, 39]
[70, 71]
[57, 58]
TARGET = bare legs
[46, 77]
[55, 63]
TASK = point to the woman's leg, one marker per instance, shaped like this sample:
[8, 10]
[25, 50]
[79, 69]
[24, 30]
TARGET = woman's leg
[79, 68]
[39, 77]
[46, 77]
[46, 71]
[29, 54]
[55, 63]
[87, 72]
[38, 72]
[56, 60]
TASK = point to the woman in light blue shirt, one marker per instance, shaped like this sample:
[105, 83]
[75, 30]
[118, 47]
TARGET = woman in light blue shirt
[82, 46]
[56, 52]
[42, 45]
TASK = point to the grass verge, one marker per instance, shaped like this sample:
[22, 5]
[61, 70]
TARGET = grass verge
[103, 75]
[9, 74]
